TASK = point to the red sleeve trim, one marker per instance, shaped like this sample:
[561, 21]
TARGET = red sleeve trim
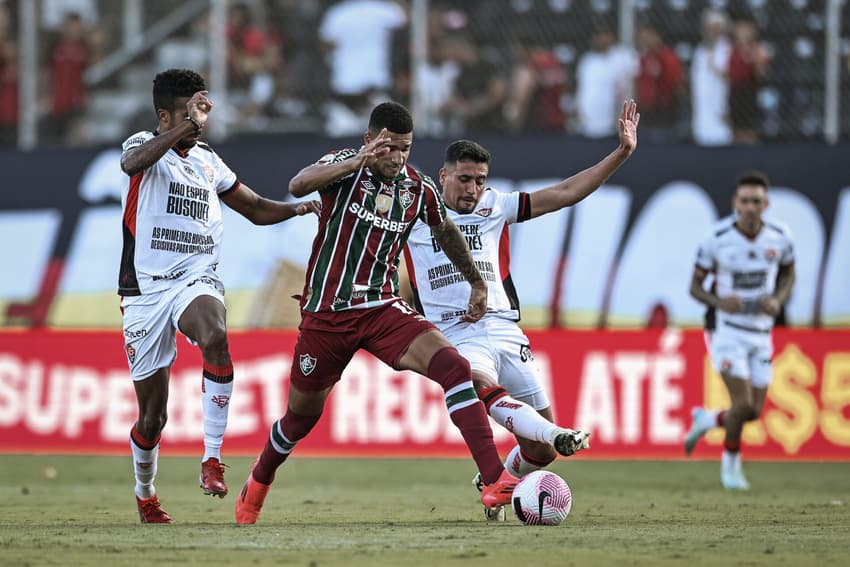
[233, 187]
[523, 212]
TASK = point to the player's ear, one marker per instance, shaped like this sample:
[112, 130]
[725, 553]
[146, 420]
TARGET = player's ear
[442, 176]
[367, 137]
[163, 116]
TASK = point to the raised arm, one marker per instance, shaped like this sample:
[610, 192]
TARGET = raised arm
[575, 188]
[260, 210]
[139, 159]
[454, 245]
[318, 175]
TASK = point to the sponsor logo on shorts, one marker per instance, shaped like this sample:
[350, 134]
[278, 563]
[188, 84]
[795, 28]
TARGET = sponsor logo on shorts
[171, 276]
[130, 335]
[525, 353]
[220, 400]
[509, 424]
[131, 353]
[307, 364]
[508, 405]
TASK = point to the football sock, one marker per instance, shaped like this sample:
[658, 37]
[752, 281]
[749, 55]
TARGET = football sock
[468, 415]
[731, 459]
[145, 457]
[718, 417]
[517, 417]
[284, 434]
[451, 371]
[216, 389]
[519, 464]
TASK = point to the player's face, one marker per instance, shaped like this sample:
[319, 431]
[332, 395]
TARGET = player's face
[463, 184]
[750, 202]
[169, 119]
[390, 164]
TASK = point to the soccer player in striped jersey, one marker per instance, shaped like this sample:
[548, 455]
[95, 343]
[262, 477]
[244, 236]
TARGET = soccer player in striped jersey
[752, 259]
[503, 371]
[172, 235]
[371, 199]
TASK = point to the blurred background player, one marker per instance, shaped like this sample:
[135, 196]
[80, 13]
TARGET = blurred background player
[370, 198]
[172, 233]
[498, 351]
[753, 263]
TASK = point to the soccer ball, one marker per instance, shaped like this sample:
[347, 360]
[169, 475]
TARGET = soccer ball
[542, 498]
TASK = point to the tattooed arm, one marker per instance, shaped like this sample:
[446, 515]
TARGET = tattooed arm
[454, 245]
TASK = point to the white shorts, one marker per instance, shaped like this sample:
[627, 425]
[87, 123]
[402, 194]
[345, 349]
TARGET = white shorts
[743, 354]
[150, 321]
[498, 348]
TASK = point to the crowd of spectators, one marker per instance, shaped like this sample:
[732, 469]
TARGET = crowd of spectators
[493, 66]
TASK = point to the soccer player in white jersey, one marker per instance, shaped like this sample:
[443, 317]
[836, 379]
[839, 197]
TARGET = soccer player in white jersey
[498, 351]
[752, 259]
[172, 234]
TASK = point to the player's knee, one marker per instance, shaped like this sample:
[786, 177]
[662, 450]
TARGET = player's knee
[213, 342]
[448, 368]
[151, 424]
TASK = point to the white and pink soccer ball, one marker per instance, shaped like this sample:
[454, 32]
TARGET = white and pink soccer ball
[542, 498]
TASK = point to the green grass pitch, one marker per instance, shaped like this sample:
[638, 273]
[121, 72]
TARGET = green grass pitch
[81, 511]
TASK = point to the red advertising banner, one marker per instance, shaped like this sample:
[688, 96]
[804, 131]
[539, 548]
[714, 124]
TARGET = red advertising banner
[70, 392]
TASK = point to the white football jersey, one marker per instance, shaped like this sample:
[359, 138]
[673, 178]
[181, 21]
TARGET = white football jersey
[745, 267]
[441, 293]
[172, 217]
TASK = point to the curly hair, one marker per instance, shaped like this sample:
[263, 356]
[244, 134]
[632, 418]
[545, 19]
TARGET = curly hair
[172, 84]
[392, 116]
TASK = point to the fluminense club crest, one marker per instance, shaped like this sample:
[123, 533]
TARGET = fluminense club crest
[405, 197]
[307, 364]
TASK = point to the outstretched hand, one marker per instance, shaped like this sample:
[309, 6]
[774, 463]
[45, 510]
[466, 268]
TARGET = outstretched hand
[628, 123]
[313, 206]
[199, 107]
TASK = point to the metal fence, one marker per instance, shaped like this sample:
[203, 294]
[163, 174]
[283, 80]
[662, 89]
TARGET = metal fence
[713, 71]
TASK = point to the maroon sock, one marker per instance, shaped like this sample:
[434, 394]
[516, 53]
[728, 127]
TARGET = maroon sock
[476, 432]
[285, 433]
[720, 418]
[732, 446]
[450, 369]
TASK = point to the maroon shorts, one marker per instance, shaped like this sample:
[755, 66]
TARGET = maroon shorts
[327, 341]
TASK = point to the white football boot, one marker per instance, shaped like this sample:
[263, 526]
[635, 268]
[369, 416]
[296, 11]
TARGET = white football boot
[731, 473]
[703, 420]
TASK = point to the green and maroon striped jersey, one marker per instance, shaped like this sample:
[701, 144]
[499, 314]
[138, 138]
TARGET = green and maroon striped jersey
[362, 230]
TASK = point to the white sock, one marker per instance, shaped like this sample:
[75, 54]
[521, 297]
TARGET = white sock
[730, 461]
[522, 420]
[144, 469]
[516, 464]
[216, 400]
